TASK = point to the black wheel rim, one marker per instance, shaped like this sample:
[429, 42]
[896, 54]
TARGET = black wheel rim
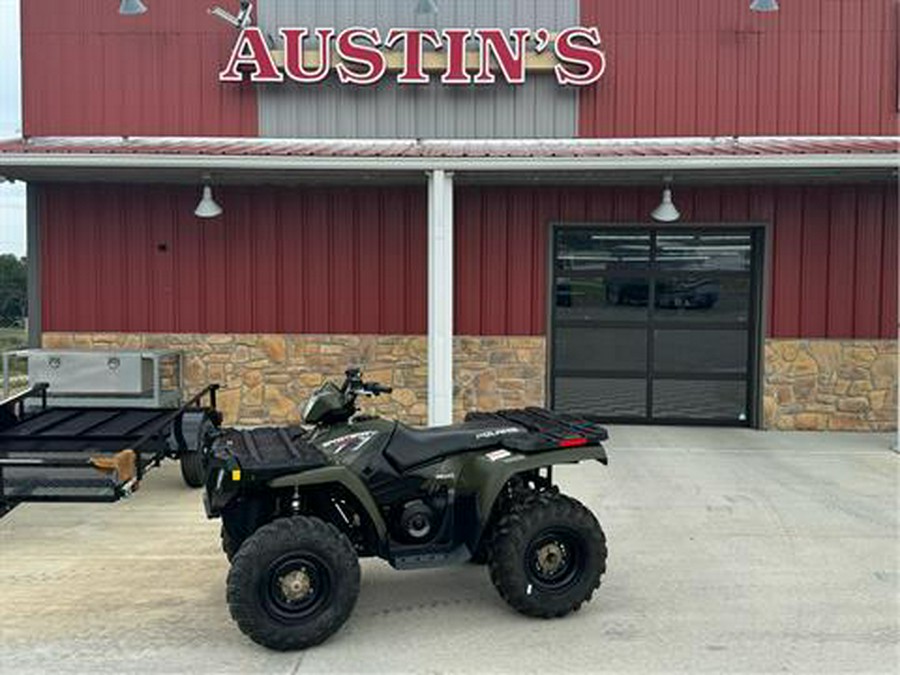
[296, 587]
[555, 559]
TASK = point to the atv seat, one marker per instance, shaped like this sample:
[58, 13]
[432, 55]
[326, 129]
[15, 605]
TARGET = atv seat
[411, 447]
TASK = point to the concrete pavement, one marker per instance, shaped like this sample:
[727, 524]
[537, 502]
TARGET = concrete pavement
[730, 551]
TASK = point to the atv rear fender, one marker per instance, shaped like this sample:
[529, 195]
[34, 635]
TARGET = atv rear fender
[487, 473]
[336, 475]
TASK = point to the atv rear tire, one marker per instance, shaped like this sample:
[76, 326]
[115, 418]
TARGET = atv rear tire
[293, 583]
[547, 556]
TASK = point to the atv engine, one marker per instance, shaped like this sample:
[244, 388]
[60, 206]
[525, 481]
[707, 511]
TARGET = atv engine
[417, 521]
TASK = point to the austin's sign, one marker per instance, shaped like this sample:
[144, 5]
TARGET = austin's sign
[363, 56]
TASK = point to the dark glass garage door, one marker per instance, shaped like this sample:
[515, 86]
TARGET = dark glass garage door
[656, 325]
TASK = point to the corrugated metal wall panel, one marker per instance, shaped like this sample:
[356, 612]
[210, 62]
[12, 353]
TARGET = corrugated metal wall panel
[89, 71]
[135, 259]
[540, 108]
[833, 264]
[710, 68]
[814, 254]
[354, 260]
[889, 279]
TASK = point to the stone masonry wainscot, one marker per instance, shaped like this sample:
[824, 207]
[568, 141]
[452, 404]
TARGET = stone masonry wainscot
[831, 384]
[266, 379]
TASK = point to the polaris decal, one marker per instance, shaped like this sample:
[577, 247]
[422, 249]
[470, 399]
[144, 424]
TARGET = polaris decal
[349, 443]
[493, 433]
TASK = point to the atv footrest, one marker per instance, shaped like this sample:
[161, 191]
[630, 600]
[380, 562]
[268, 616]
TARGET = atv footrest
[546, 429]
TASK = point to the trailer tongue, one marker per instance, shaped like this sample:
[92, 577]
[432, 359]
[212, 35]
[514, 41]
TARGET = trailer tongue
[89, 454]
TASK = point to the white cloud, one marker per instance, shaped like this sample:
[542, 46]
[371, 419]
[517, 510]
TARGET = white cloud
[12, 218]
[12, 197]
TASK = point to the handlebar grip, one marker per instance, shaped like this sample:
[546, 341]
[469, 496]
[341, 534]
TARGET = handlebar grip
[376, 388]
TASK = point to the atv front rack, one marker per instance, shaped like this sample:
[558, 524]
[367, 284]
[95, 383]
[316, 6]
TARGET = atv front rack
[269, 450]
[546, 429]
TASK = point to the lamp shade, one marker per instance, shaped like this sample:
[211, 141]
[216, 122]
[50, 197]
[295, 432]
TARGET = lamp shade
[132, 7]
[764, 5]
[426, 7]
[666, 212]
[208, 208]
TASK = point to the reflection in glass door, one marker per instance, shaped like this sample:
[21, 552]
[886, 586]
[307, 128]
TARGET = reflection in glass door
[656, 325]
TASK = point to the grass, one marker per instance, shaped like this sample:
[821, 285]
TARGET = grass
[14, 338]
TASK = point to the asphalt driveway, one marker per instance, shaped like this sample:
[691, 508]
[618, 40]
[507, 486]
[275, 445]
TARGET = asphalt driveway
[730, 551]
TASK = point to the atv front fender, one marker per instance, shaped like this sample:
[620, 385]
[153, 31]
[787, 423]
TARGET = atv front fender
[330, 475]
[487, 473]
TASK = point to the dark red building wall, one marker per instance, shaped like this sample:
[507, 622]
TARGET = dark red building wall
[833, 269]
[713, 67]
[89, 71]
[135, 259]
[691, 67]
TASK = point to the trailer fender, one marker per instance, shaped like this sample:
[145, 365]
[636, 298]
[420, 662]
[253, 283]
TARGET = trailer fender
[331, 475]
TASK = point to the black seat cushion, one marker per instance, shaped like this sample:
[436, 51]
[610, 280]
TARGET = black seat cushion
[411, 447]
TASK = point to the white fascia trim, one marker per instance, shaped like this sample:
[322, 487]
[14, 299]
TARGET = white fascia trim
[470, 164]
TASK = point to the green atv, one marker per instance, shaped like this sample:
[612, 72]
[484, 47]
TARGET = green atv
[300, 506]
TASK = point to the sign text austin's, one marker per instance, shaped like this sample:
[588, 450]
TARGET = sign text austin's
[363, 56]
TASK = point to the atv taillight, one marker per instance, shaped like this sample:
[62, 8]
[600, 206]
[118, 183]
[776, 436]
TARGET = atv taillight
[572, 442]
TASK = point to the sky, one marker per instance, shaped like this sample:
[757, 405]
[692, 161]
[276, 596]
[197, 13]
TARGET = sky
[12, 196]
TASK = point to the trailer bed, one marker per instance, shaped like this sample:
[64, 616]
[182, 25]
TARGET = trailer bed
[70, 454]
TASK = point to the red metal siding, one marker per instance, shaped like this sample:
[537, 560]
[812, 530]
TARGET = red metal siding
[89, 71]
[135, 259]
[714, 68]
[833, 265]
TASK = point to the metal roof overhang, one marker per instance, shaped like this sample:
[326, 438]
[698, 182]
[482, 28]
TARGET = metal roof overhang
[249, 161]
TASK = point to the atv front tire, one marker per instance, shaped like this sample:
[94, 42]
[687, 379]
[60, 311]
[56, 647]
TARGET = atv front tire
[293, 583]
[547, 556]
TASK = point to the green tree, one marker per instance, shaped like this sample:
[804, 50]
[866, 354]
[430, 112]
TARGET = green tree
[13, 289]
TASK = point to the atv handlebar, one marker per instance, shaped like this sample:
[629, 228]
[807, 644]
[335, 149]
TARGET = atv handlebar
[354, 385]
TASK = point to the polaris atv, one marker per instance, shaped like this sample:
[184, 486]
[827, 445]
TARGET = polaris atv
[300, 506]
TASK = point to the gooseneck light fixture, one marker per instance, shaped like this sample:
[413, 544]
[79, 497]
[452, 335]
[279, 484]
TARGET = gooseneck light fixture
[132, 7]
[666, 212]
[764, 6]
[243, 19]
[208, 207]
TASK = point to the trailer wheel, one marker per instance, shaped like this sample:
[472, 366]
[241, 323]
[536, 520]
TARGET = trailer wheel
[193, 459]
[193, 469]
[547, 556]
[229, 545]
[293, 583]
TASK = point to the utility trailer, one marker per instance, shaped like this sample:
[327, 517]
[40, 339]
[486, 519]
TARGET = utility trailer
[90, 442]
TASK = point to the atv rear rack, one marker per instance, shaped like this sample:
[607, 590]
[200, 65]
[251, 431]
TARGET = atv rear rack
[546, 429]
[50, 454]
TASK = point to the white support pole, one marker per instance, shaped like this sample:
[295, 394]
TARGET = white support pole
[440, 298]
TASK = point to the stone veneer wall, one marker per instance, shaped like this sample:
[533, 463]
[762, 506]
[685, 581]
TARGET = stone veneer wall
[809, 384]
[831, 384]
[267, 378]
